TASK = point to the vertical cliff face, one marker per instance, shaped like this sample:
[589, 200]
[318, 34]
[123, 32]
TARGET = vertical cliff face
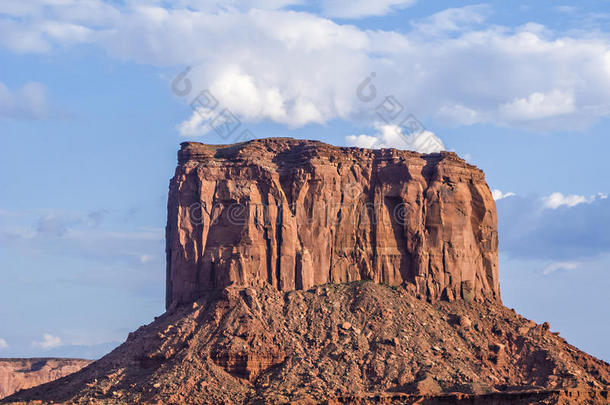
[295, 214]
[281, 214]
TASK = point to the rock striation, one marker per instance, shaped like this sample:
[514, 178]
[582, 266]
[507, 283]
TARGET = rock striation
[19, 374]
[296, 214]
[318, 274]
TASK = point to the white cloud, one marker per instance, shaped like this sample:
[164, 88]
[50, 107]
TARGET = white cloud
[457, 114]
[553, 267]
[538, 105]
[362, 8]
[220, 6]
[3, 344]
[28, 102]
[498, 195]
[264, 62]
[41, 35]
[196, 125]
[557, 200]
[568, 234]
[391, 136]
[92, 12]
[453, 19]
[66, 33]
[363, 141]
[48, 342]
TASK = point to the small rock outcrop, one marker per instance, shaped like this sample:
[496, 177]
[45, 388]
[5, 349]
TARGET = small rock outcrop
[296, 214]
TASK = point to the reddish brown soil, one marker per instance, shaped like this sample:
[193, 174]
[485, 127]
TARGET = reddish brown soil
[359, 342]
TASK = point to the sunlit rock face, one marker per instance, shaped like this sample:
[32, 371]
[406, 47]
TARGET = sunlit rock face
[295, 214]
[18, 374]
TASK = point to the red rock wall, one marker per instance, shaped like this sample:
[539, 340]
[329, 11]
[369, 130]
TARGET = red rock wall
[18, 374]
[296, 214]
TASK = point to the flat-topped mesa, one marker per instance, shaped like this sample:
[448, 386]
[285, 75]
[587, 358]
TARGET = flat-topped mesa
[296, 214]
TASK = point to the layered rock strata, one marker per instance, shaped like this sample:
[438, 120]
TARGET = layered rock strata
[296, 214]
[18, 374]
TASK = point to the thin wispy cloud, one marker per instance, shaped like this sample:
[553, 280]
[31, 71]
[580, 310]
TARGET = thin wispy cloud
[559, 266]
[453, 20]
[498, 194]
[122, 258]
[28, 102]
[362, 8]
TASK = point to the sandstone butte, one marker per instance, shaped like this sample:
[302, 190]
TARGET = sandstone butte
[300, 272]
[296, 214]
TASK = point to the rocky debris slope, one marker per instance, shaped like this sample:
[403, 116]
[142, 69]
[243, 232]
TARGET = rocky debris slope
[268, 246]
[359, 342]
[296, 214]
[18, 374]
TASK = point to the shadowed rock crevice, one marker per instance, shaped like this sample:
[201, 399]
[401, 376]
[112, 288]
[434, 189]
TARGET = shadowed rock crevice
[312, 213]
[300, 272]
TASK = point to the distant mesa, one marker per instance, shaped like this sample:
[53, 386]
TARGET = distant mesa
[18, 374]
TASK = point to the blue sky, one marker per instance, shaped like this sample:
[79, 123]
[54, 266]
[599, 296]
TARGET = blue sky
[90, 126]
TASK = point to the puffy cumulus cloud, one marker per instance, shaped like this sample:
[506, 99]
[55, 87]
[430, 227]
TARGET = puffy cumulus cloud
[196, 125]
[362, 8]
[260, 65]
[530, 230]
[48, 342]
[28, 102]
[557, 200]
[3, 344]
[264, 61]
[498, 194]
[539, 105]
[392, 136]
